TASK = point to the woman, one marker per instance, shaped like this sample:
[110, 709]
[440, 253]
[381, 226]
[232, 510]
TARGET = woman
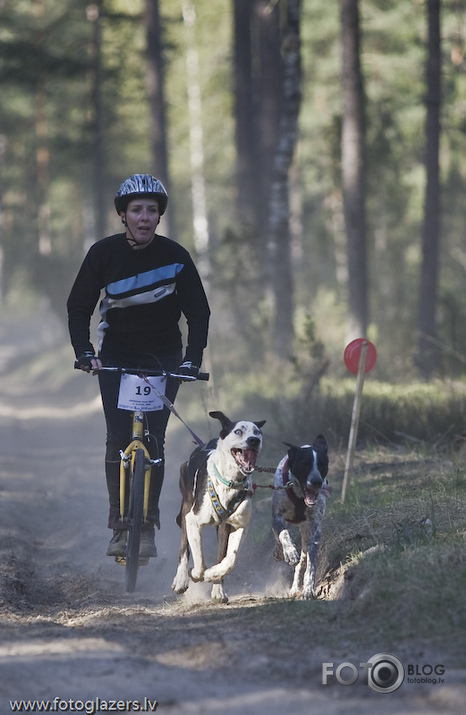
[149, 282]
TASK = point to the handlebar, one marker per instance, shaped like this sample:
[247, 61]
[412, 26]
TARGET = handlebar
[149, 373]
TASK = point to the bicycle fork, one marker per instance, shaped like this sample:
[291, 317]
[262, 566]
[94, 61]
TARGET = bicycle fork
[127, 461]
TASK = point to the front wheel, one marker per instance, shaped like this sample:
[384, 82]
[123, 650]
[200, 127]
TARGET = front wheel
[135, 519]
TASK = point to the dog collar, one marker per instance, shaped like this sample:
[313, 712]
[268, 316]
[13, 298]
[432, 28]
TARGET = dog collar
[230, 484]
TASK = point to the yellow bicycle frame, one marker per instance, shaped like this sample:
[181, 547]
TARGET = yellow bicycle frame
[137, 442]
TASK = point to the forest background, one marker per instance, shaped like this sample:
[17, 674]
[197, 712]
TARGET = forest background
[93, 92]
[313, 152]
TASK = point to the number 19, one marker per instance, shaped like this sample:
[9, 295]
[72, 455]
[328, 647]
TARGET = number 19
[145, 392]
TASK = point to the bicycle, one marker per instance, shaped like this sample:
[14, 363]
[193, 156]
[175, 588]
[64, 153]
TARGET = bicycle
[135, 461]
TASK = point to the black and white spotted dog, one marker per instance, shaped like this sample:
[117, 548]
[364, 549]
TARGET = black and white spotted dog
[216, 489]
[299, 498]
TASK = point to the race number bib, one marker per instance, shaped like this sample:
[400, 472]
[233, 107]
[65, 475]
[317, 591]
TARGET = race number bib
[136, 394]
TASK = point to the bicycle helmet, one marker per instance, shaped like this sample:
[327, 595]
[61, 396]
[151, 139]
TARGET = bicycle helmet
[143, 185]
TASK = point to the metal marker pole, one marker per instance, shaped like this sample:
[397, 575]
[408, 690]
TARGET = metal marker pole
[355, 419]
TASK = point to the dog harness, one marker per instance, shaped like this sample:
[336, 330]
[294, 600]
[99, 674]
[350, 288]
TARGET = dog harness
[298, 503]
[222, 512]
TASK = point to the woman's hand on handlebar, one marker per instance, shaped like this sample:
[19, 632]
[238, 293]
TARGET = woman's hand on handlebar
[187, 371]
[88, 362]
[96, 366]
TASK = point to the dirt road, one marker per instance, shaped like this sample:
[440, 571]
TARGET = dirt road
[69, 632]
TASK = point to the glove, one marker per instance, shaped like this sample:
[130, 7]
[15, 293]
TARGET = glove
[85, 360]
[188, 369]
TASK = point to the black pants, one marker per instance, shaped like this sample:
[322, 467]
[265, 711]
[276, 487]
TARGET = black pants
[119, 434]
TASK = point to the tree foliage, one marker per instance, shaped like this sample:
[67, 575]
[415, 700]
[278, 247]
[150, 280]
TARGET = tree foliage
[48, 164]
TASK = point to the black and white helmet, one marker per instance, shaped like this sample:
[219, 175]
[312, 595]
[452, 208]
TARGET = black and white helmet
[142, 185]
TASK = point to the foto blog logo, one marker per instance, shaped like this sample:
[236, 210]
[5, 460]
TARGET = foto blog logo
[383, 673]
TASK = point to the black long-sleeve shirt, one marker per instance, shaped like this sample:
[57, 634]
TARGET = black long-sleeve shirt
[145, 293]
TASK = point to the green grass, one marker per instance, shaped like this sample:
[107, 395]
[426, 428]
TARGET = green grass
[393, 557]
[392, 565]
[394, 554]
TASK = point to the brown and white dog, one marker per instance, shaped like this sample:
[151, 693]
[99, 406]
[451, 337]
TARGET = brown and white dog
[299, 498]
[216, 489]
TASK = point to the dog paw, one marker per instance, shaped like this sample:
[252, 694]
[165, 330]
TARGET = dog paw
[291, 555]
[180, 582]
[213, 574]
[179, 588]
[217, 594]
[197, 575]
[302, 594]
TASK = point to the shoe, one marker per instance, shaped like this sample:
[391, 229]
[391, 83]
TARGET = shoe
[117, 545]
[147, 548]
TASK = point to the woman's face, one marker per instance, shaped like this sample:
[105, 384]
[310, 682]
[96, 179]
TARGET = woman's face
[142, 218]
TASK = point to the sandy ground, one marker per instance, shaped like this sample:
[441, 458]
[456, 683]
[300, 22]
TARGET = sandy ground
[69, 631]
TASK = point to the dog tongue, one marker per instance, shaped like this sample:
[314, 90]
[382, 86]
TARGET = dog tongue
[310, 498]
[249, 458]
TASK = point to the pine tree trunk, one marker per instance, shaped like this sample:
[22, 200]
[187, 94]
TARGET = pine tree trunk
[279, 213]
[155, 82]
[353, 170]
[98, 161]
[427, 353]
[198, 190]
[247, 173]
[268, 90]
[44, 244]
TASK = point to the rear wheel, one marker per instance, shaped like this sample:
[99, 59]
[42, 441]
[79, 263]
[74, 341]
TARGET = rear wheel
[135, 519]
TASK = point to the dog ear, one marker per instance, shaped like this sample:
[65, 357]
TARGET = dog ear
[226, 423]
[320, 443]
[293, 449]
[260, 424]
